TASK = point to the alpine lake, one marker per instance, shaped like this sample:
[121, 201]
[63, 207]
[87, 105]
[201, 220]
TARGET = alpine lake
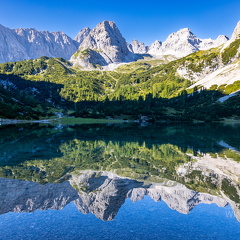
[120, 181]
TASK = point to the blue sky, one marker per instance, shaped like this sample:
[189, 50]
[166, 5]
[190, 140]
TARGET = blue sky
[145, 21]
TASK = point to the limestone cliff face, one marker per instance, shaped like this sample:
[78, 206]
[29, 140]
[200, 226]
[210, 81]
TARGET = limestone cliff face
[222, 68]
[236, 32]
[178, 44]
[44, 43]
[10, 48]
[28, 43]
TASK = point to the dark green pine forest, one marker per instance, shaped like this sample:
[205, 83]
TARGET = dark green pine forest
[40, 88]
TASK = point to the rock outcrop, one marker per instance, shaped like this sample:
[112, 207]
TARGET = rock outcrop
[10, 48]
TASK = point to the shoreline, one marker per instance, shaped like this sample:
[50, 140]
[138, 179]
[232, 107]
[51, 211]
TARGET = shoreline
[16, 121]
[64, 121]
[70, 120]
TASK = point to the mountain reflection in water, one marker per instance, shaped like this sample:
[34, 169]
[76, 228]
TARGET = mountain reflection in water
[100, 193]
[99, 167]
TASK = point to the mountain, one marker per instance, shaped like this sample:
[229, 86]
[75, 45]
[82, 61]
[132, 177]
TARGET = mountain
[214, 67]
[138, 47]
[28, 43]
[184, 42]
[178, 44]
[154, 48]
[210, 43]
[165, 80]
[44, 43]
[104, 45]
[175, 84]
[98, 47]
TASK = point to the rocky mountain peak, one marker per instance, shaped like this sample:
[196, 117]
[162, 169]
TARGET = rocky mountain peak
[106, 29]
[20, 30]
[109, 32]
[211, 43]
[82, 35]
[138, 47]
[221, 39]
[155, 47]
[107, 24]
[180, 43]
[184, 42]
[182, 33]
[104, 45]
[236, 32]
